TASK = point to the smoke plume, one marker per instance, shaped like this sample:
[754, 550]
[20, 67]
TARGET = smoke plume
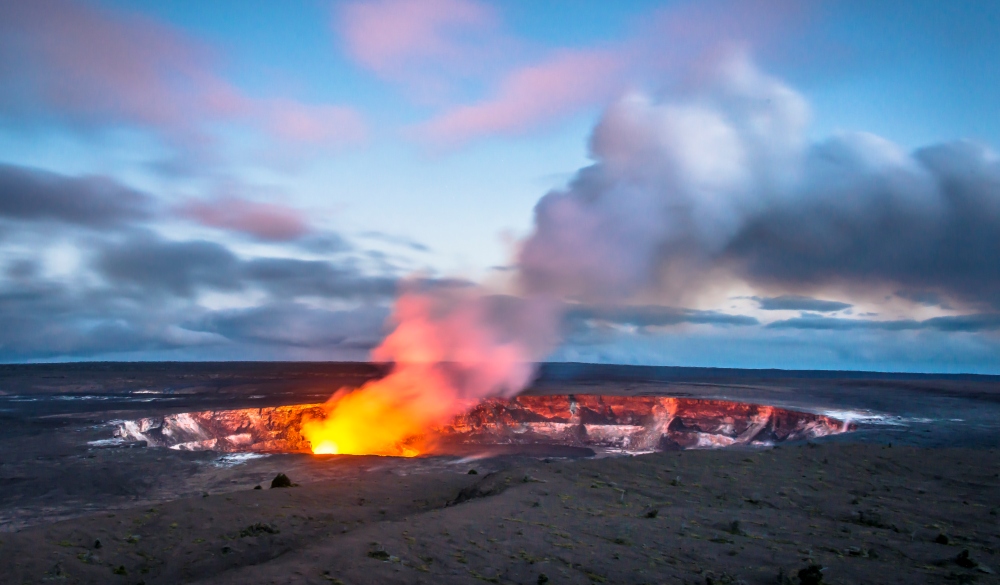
[723, 183]
[451, 348]
[717, 183]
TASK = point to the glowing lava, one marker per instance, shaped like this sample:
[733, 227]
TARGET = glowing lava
[450, 350]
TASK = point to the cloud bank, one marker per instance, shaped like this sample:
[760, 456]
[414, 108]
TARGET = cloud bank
[722, 183]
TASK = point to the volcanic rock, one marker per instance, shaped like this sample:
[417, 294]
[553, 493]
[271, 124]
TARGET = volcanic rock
[491, 485]
[281, 481]
[964, 560]
[811, 575]
[257, 529]
[628, 423]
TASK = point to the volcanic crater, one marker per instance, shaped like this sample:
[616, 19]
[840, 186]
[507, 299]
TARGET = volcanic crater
[586, 424]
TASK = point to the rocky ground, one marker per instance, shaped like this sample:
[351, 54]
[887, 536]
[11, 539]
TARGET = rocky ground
[864, 513]
[910, 497]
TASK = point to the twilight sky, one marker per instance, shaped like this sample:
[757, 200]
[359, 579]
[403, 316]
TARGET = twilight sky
[723, 183]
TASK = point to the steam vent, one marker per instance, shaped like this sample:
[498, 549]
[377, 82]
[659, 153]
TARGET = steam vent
[604, 423]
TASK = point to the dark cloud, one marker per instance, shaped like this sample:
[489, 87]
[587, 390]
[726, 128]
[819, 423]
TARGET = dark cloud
[290, 278]
[149, 263]
[28, 194]
[324, 243]
[925, 298]
[178, 268]
[930, 222]
[799, 303]
[292, 324]
[653, 316]
[51, 320]
[47, 319]
[967, 323]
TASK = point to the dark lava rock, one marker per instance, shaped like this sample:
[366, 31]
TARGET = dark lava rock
[379, 554]
[97, 543]
[652, 513]
[473, 472]
[491, 485]
[281, 481]
[871, 518]
[542, 579]
[257, 487]
[782, 578]
[723, 579]
[811, 575]
[942, 539]
[257, 529]
[964, 560]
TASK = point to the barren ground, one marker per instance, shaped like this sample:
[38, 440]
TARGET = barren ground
[866, 511]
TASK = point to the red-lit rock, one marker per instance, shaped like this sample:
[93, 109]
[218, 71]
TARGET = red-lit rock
[629, 423]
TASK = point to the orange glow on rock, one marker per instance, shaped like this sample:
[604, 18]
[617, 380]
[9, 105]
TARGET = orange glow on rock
[384, 417]
[448, 354]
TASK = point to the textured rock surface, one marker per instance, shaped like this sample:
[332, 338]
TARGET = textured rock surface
[630, 423]
[263, 430]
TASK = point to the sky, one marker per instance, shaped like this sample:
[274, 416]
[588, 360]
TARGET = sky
[758, 184]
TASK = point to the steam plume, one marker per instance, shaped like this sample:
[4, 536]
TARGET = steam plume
[720, 182]
[450, 349]
[724, 182]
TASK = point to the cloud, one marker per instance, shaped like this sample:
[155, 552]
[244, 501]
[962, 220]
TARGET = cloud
[44, 319]
[146, 263]
[28, 194]
[719, 183]
[264, 221]
[183, 268]
[800, 303]
[297, 325]
[866, 212]
[291, 278]
[654, 316]
[389, 36]
[669, 188]
[49, 320]
[313, 125]
[99, 68]
[530, 90]
[85, 274]
[396, 240]
[924, 351]
[966, 323]
[530, 97]
[925, 298]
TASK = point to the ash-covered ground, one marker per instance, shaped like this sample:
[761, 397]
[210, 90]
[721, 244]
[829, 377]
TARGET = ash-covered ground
[910, 496]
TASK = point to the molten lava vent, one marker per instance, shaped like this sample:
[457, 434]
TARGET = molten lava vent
[606, 423]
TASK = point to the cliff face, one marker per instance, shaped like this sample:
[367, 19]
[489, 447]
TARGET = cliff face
[644, 423]
[641, 423]
[262, 430]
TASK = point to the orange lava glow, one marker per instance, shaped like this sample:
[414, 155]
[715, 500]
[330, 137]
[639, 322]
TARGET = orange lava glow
[447, 357]
[384, 417]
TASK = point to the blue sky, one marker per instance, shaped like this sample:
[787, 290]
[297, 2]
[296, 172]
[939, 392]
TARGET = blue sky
[254, 180]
